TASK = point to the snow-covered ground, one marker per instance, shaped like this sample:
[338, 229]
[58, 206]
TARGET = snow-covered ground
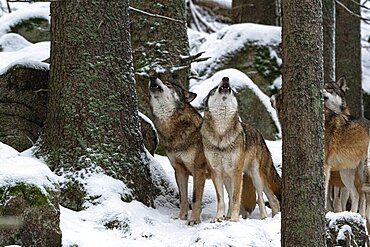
[140, 225]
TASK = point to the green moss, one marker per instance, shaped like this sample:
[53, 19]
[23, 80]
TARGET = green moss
[266, 66]
[73, 195]
[31, 193]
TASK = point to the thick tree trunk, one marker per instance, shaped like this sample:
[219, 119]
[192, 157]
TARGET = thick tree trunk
[328, 9]
[92, 110]
[348, 53]
[159, 44]
[303, 214]
[256, 11]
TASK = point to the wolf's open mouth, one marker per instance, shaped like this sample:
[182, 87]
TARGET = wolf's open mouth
[153, 86]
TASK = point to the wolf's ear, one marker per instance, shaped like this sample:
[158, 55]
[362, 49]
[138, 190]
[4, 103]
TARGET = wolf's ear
[190, 96]
[342, 83]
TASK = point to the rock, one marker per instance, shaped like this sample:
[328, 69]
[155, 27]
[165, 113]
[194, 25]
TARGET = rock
[345, 229]
[23, 103]
[253, 112]
[33, 29]
[29, 202]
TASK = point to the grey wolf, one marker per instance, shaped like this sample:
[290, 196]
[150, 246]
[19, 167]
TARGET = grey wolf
[233, 148]
[178, 125]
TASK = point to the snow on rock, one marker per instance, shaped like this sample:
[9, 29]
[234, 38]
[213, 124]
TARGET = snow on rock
[13, 42]
[16, 168]
[30, 56]
[237, 80]
[31, 11]
[231, 39]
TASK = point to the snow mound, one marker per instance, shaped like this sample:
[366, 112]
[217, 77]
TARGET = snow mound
[16, 168]
[30, 56]
[13, 42]
[32, 11]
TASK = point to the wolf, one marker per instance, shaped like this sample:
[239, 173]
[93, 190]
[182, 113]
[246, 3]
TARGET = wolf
[233, 148]
[178, 125]
[343, 154]
[346, 142]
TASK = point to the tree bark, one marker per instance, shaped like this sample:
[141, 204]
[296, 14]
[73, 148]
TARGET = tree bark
[328, 9]
[159, 44]
[348, 53]
[303, 214]
[92, 116]
[256, 11]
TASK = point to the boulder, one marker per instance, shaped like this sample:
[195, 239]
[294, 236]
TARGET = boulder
[29, 201]
[23, 103]
[254, 112]
[345, 229]
[33, 29]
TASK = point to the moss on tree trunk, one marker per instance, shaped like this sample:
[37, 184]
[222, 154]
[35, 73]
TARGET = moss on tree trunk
[92, 110]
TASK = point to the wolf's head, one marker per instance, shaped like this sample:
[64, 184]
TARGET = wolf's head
[221, 99]
[166, 97]
[334, 95]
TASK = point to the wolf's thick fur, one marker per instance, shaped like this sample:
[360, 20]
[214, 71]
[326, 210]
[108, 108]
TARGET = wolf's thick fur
[346, 142]
[231, 148]
[178, 125]
[333, 130]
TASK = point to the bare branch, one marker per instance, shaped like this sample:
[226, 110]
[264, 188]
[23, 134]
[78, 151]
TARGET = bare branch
[154, 15]
[361, 5]
[352, 13]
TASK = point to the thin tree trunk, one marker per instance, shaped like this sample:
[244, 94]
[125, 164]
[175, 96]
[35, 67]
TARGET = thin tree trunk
[348, 53]
[303, 214]
[92, 110]
[256, 11]
[328, 8]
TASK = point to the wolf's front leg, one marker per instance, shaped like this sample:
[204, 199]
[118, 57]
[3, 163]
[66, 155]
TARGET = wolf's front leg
[198, 188]
[218, 183]
[236, 189]
[182, 178]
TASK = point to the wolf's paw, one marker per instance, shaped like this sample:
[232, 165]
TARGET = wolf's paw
[217, 219]
[193, 222]
[182, 216]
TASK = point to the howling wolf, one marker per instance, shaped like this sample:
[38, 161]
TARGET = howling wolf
[233, 148]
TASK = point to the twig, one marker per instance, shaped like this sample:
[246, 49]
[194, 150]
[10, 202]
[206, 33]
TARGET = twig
[359, 4]
[198, 15]
[154, 15]
[352, 13]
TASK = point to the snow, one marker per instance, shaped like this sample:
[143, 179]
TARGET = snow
[13, 42]
[30, 56]
[17, 168]
[37, 10]
[229, 40]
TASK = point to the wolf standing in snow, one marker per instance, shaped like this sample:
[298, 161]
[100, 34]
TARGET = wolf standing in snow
[178, 125]
[233, 148]
[346, 142]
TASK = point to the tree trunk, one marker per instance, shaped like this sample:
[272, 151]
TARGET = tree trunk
[159, 44]
[303, 214]
[328, 9]
[256, 11]
[348, 53]
[92, 110]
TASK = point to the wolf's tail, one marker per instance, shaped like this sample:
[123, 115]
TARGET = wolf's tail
[248, 198]
[275, 182]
